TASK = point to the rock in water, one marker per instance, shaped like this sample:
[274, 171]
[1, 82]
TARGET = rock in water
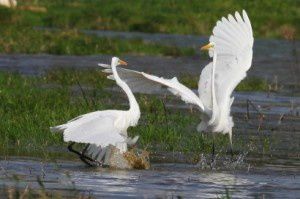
[132, 159]
[137, 158]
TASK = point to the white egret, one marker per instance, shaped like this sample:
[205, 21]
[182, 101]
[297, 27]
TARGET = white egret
[231, 49]
[102, 128]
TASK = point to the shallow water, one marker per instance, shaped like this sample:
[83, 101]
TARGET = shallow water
[163, 180]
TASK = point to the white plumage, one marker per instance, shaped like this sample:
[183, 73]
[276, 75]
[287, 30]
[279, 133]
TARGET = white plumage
[231, 49]
[103, 128]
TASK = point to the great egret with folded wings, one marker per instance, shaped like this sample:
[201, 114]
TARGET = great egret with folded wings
[102, 128]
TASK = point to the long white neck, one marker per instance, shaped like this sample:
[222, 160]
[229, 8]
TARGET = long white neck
[134, 106]
[213, 91]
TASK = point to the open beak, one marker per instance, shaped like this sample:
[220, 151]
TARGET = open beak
[207, 47]
[121, 62]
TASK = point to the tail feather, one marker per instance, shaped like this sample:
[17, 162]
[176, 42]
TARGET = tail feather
[58, 129]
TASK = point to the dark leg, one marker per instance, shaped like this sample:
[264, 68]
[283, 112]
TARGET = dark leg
[85, 148]
[213, 151]
[213, 154]
[231, 152]
[165, 114]
[70, 148]
[87, 160]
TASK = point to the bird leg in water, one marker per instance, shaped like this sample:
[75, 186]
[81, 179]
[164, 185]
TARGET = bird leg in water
[213, 153]
[165, 114]
[87, 160]
[71, 149]
[231, 152]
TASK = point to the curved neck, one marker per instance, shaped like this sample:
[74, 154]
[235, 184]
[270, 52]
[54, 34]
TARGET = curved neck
[134, 106]
[214, 100]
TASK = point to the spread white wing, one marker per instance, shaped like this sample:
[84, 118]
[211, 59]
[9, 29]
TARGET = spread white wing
[146, 83]
[233, 39]
[95, 128]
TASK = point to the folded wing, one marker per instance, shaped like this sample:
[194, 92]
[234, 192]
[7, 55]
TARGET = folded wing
[93, 128]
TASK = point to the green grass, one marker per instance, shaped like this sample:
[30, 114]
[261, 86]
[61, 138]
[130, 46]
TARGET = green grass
[191, 81]
[71, 42]
[165, 16]
[27, 111]
[252, 84]
[30, 105]
[270, 18]
[248, 84]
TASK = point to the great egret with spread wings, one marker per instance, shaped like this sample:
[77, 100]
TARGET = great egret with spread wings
[102, 128]
[231, 50]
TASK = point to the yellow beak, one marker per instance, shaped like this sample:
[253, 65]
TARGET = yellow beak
[206, 47]
[121, 62]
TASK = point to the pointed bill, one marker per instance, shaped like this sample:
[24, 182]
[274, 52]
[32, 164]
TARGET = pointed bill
[207, 47]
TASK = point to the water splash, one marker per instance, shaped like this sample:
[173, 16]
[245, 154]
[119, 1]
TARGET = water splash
[222, 162]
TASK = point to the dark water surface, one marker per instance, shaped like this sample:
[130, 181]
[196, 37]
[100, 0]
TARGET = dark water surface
[162, 181]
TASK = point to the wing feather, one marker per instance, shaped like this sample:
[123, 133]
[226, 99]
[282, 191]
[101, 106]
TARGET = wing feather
[93, 128]
[233, 39]
[178, 89]
[149, 84]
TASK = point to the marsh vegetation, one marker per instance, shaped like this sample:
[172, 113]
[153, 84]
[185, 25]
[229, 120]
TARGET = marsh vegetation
[30, 105]
[182, 17]
[20, 33]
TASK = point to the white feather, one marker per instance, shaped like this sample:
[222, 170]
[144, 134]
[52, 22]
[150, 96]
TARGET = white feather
[233, 43]
[102, 128]
[145, 83]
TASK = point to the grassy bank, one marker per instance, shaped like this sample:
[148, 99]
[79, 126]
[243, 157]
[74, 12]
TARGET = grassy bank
[248, 84]
[71, 42]
[30, 105]
[18, 34]
[270, 18]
